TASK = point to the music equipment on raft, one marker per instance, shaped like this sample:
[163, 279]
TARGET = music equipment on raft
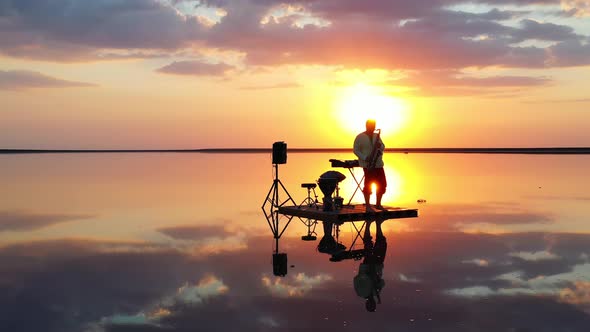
[279, 209]
[328, 183]
[344, 163]
[279, 153]
[350, 165]
[277, 197]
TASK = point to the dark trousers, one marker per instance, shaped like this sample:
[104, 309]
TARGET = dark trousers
[377, 176]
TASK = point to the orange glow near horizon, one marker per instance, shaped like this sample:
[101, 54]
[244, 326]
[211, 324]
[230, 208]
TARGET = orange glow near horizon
[360, 102]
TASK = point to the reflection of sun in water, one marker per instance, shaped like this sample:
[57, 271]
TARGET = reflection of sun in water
[361, 102]
[395, 183]
[393, 193]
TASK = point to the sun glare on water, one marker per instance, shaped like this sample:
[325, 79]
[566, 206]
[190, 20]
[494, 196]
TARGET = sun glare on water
[361, 102]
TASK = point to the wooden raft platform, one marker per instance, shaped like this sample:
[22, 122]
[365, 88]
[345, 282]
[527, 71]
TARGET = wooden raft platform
[347, 213]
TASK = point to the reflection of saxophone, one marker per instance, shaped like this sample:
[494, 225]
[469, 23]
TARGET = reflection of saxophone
[377, 151]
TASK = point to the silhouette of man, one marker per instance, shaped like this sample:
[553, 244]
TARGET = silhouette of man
[369, 280]
[364, 144]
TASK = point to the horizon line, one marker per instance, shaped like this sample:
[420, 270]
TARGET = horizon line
[494, 150]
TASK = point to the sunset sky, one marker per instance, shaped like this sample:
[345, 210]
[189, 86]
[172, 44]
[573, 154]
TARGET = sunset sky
[245, 73]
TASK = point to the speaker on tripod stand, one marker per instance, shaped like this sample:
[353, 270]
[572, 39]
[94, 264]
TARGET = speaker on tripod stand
[274, 202]
[279, 153]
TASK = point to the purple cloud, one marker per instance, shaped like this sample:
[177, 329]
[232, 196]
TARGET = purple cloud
[196, 68]
[360, 34]
[19, 221]
[569, 53]
[453, 78]
[195, 232]
[24, 79]
[272, 86]
[531, 29]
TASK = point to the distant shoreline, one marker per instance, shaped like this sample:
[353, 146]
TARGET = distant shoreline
[554, 150]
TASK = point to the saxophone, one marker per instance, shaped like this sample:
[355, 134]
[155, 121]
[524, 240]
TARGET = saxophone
[377, 151]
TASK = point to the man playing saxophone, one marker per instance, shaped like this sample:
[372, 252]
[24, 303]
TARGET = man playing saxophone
[369, 147]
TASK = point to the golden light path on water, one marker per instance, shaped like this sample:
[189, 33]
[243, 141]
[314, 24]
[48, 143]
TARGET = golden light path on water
[130, 196]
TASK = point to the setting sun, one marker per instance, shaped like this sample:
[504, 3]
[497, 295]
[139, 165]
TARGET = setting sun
[361, 102]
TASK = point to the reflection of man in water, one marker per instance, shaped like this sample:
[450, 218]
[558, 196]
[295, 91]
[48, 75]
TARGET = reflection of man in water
[369, 280]
[364, 144]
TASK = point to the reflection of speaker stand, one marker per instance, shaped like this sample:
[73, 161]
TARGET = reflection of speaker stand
[274, 200]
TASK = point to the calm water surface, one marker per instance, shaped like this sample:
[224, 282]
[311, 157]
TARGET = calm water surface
[178, 242]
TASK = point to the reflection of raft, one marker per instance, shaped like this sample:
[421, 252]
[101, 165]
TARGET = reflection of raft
[347, 213]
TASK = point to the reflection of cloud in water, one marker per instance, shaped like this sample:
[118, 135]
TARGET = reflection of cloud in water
[78, 247]
[187, 294]
[475, 291]
[69, 285]
[534, 256]
[297, 286]
[571, 287]
[577, 294]
[203, 240]
[269, 321]
[477, 261]
[454, 217]
[139, 319]
[404, 278]
[207, 287]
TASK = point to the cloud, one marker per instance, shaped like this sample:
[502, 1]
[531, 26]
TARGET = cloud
[354, 34]
[454, 82]
[457, 79]
[559, 101]
[502, 15]
[20, 221]
[101, 24]
[452, 35]
[196, 68]
[579, 8]
[392, 9]
[24, 79]
[531, 29]
[569, 53]
[195, 232]
[273, 86]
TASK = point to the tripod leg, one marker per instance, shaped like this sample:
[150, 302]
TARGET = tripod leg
[270, 215]
[288, 195]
